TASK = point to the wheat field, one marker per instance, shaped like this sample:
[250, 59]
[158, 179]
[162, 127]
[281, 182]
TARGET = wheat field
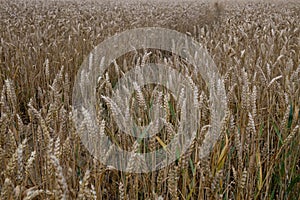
[256, 47]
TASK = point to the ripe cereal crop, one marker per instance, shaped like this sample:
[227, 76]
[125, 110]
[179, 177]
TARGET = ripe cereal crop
[255, 46]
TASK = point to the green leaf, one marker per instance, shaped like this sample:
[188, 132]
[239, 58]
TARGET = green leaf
[172, 110]
[278, 134]
[261, 128]
[290, 117]
[193, 167]
[292, 184]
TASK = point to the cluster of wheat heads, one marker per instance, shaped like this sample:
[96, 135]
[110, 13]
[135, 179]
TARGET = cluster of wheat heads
[256, 49]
